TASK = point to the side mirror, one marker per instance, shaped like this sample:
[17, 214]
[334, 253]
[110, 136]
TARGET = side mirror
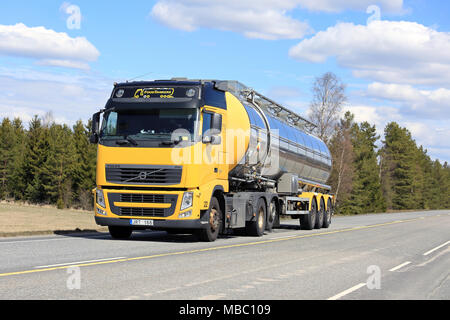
[216, 123]
[93, 138]
[95, 128]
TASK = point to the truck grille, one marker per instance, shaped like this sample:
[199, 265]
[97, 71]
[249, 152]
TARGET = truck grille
[145, 212]
[142, 198]
[143, 175]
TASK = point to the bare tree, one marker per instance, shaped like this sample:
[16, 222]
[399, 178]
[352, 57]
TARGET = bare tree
[326, 105]
[341, 149]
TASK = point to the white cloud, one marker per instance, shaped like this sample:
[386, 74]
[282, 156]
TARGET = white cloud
[263, 19]
[385, 51]
[46, 45]
[64, 63]
[390, 6]
[432, 134]
[375, 115]
[69, 96]
[433, 104]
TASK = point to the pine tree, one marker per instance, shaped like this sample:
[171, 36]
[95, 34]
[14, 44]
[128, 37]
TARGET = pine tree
[36, 152]
[16, 184]
[84, 171]
[7, 142]
[398, 160]
[55, 171]
[366, 195]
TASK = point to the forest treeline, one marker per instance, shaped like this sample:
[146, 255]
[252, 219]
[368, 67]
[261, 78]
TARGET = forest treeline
[374, 175]
[370, 174]
[47, 163]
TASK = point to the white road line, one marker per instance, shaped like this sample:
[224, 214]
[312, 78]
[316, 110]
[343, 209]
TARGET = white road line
[437, 248]
[79, 262]
[343, 293]
[400, 266]
[57, 239]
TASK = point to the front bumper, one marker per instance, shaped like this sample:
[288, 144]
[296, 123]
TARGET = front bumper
[201, 223]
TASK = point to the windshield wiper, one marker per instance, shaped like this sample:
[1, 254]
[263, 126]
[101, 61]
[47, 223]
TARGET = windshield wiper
[171, 142]
[127, 140]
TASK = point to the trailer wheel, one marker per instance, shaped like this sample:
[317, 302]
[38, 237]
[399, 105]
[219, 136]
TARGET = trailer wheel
[271, 215]
[256, 228]
[120, 233]
[327, 215]
[308, 221]
[320, 215]
[211, 232]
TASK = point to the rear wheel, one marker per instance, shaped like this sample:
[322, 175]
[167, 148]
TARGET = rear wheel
[271, 215]
[211, 232]
[308, 221]
[320, 215]
[327, 215]
[121, 233]
[256, 228]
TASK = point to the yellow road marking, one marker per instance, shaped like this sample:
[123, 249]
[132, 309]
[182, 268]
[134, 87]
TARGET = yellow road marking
[204, 250]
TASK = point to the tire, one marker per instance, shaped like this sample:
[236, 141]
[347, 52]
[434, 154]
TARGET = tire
[308, 221]
[320, 215]
[256, 228]
[327, 215]
[211, 232]
[271, 215]
[120, 233]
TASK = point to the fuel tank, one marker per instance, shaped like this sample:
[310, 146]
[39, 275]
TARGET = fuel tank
[278, 148]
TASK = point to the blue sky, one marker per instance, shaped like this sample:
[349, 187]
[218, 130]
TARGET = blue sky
[396, 69]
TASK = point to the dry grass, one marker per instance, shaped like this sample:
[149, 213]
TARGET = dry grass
[20, 219]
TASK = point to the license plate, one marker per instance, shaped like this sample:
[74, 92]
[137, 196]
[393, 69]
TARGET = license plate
[135, 222]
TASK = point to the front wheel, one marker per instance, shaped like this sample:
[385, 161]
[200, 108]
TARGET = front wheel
[211, 232]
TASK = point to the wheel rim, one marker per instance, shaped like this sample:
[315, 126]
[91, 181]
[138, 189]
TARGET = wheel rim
[313, 215]
[321, 212]
[261, 218]
[214, 219]
[273, 212]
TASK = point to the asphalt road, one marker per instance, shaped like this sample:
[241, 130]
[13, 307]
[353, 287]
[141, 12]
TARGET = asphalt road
[383, 256]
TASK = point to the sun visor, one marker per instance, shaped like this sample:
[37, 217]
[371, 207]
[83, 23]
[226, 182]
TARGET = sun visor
[137, 98]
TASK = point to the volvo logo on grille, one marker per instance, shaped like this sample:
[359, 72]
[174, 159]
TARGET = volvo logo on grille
[143, 175]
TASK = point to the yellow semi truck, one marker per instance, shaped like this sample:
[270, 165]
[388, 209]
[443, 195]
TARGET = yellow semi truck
[206, 157]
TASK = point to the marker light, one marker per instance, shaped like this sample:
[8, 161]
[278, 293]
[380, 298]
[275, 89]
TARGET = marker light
[119, 93]
[190, 93]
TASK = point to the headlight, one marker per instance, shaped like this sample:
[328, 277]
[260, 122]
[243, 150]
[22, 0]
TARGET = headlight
[186, 202]
[100, 198]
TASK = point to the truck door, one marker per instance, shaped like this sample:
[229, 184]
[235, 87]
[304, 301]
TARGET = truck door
[214, 155]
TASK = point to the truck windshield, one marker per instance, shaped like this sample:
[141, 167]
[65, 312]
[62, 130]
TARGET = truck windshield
[152, 124]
